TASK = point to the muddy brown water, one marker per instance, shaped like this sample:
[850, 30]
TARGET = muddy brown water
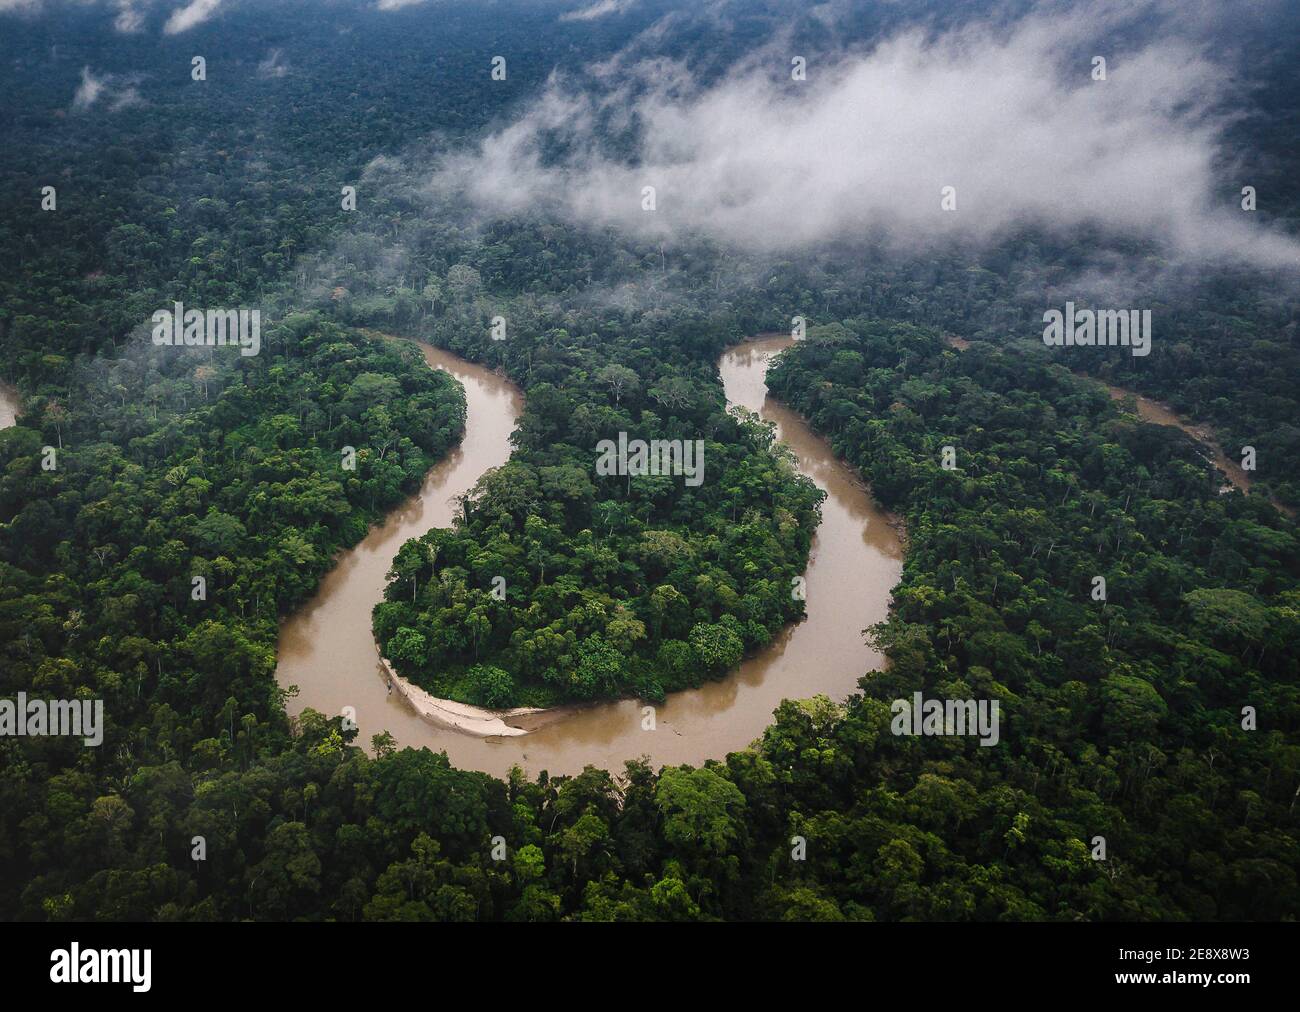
[327, 649]
[1159, 414]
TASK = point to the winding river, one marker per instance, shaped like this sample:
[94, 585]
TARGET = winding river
[327, 649]
[1160, 414]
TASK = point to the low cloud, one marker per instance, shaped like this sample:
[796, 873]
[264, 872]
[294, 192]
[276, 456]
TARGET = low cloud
[114, 91]
[132, 14]
[194, 13]
[89, 90]
[599, 9]
[125, 98]
[275, 65]
[1008, 115]
[130, 18]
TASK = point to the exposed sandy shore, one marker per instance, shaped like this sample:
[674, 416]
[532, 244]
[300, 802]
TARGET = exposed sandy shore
[461, 716]
[10, 401]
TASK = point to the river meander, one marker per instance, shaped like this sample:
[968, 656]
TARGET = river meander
[327, 650]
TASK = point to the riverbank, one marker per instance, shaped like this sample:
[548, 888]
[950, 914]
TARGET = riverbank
[10, 403]
[1158, 413]
[328, 651]
[461, 716]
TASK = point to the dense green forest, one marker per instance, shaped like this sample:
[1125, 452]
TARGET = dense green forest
[591, 604]
[1125, 714]
[1122, 718]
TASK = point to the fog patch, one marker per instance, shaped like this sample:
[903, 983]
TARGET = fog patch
[1008, 116]
[114, 91]
[599, 9]
[274, 65]
[194, 13]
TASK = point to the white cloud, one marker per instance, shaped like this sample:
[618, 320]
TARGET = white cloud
[131, 14]
[89, 90]
[124, 99]
[194, 13]
[130, 18]
[274, 65]
[116, 91]
[599, 9]
[1008, 115]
